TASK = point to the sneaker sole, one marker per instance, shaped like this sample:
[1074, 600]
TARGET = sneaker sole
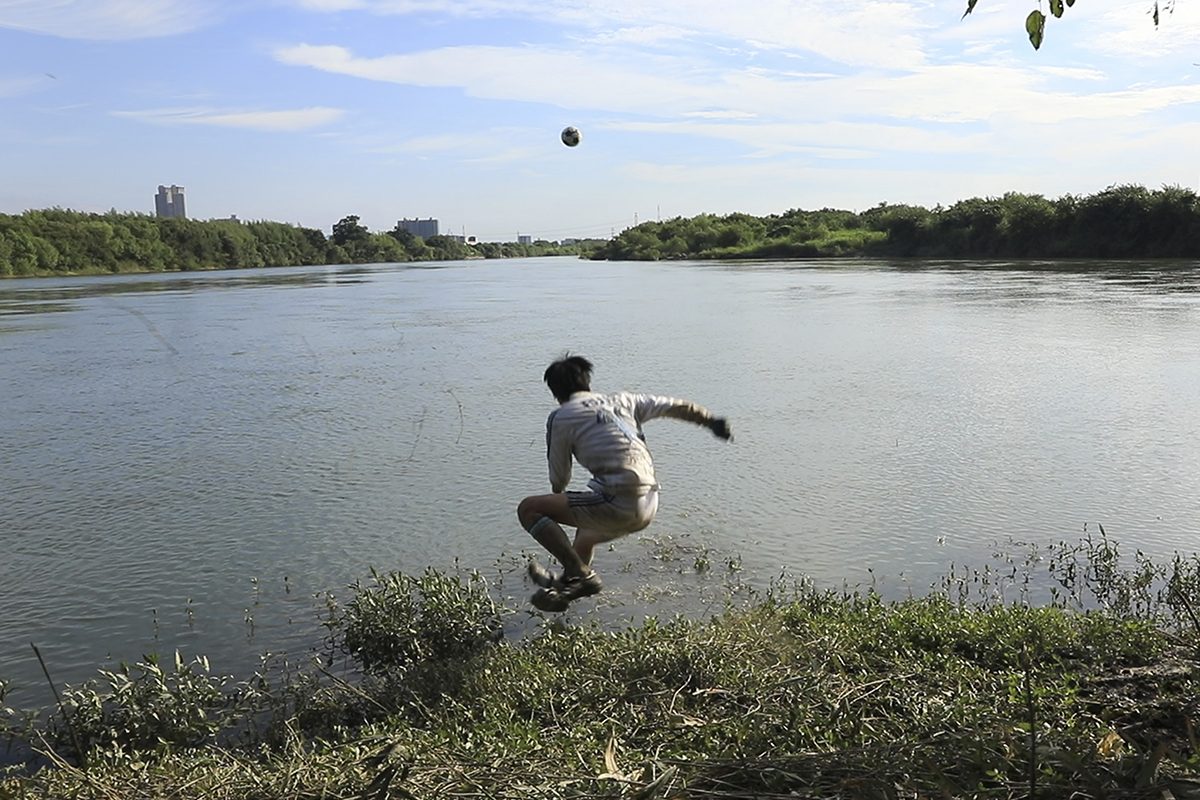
[549, 600]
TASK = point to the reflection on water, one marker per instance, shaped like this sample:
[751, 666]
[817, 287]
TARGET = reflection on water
[25, 306]
[38, 295]
[192, 460]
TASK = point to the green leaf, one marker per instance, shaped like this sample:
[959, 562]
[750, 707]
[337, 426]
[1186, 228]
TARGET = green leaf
[1070, 3]
[1035, 26]
[1056, 8]
[970, 7]
[1156, 14]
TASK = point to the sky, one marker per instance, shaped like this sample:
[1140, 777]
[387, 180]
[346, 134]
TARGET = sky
[306, 111]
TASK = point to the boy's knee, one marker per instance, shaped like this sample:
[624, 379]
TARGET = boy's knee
[528, 511]
[553, 506]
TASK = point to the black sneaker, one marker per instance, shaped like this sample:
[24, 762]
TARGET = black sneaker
[549, 600]
[580, 586]
[542, 576]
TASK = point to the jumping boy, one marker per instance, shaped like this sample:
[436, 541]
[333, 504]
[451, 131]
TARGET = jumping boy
[604, 434]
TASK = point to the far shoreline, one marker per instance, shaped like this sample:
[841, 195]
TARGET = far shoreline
[1023, 263]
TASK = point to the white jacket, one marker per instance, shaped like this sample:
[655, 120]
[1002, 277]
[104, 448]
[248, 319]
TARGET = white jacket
[604, 434]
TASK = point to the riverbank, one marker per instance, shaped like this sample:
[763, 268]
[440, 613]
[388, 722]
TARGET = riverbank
[1121, 222]
[57, 241]
[134, 269]
[793, 692]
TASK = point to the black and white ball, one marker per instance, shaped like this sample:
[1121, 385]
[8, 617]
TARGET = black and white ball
[571, 136]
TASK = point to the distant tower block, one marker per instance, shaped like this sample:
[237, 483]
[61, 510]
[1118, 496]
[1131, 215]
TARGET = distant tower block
[168, 203]
[419, 227]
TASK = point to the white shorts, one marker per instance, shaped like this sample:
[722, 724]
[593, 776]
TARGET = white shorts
[613, 515]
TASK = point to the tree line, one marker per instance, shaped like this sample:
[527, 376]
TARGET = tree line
[59, 241]
[1120, 222]
[1123, 221]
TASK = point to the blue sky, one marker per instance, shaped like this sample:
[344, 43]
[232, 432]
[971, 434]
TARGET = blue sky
[305, 111]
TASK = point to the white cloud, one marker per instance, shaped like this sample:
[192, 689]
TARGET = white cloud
[509, 155]
[557, 77]
[1074, 73]
[991, 24]
[331, 5]
[1124, 30]
[291, 120]
[720, 114]
[438, 143]
[644, 34]
[499, 145]
[834, 140]
[453, 8]
[866, 32]
[472, 143]
[672, 87]
[106, 19]
[12, 87]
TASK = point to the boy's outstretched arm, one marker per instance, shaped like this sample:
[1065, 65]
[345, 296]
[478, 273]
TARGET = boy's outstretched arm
[650, 407]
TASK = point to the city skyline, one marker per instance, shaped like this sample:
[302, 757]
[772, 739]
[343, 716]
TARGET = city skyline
[306, 111]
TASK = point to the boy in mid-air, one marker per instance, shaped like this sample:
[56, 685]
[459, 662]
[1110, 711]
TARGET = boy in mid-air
[604, 434]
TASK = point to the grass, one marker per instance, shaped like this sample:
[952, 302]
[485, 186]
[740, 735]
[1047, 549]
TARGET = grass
[799, 692]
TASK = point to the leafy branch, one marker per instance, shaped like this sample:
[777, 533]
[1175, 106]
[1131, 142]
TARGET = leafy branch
[1035, 23]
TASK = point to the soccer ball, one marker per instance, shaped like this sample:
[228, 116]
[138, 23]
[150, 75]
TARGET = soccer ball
[571, 136]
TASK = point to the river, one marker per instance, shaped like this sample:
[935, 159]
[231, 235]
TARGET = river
[201, 461]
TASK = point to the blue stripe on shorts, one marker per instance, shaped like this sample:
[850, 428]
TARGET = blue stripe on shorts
[576, 499]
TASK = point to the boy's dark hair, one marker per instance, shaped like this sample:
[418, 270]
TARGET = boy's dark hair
[568, 375]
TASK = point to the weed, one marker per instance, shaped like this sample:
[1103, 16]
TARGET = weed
[144, 708]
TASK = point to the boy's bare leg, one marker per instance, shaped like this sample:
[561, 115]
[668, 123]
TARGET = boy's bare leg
[543, 516]
[586, 540]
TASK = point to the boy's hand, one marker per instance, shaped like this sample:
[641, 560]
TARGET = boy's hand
[720, 427]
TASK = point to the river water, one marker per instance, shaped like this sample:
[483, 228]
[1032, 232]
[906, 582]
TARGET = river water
[192, 461]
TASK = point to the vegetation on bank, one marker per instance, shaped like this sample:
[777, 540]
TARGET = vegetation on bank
[1119, 222]
[799, 693]
[58, 241]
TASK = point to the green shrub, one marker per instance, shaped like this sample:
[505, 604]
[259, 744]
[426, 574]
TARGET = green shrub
[400, 621]
[144, 708]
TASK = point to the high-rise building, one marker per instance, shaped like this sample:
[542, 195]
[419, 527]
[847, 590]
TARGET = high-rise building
[523, 239]
[419, 227]
[169, 202]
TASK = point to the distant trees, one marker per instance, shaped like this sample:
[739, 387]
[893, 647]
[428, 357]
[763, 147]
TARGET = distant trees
[347, 232]
[352, 243]
[447, 248]
[407, 239]
[1124, 221]
[1119, 222]
[57, 240]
